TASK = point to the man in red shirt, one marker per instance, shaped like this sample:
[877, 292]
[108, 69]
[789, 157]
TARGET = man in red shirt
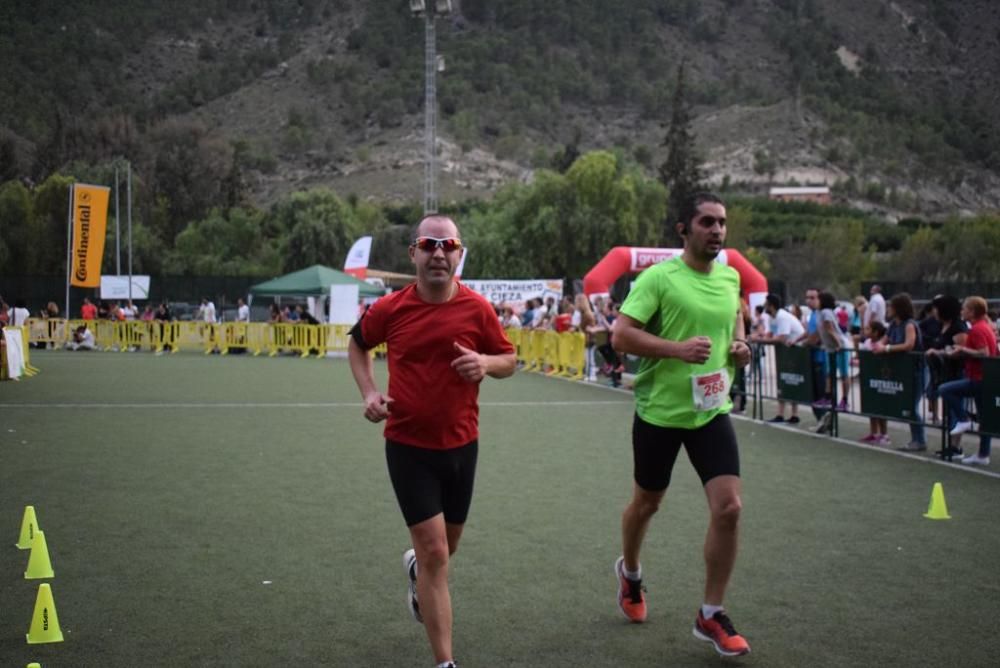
[443, 339]
[980, 342]
[88, 311]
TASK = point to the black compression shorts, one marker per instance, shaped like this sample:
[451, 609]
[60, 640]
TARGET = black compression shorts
[711, 448]
[428, 482]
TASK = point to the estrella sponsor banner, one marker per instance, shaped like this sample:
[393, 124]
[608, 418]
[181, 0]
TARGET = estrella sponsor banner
[517, 291]
[887, 385]
[90, 218]
[356, 263]
[795, 373]
[989, 420]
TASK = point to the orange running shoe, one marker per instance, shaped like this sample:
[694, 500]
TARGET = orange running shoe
[720, 632]
[630, 599]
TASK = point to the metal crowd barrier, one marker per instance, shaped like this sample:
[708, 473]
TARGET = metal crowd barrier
[888, 386]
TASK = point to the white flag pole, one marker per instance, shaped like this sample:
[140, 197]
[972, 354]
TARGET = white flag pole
[69, 244]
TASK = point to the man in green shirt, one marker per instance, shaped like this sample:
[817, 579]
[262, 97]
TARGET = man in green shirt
[682, 318]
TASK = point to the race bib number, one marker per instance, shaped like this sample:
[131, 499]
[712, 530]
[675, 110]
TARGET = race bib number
[710, 390]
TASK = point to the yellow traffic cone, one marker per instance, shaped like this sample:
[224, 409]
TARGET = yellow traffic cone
[938, 510]
[39, 566]
[34, 665]
[29, 525]
[45, 622]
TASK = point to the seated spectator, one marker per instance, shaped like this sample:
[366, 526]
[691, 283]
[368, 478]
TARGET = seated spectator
[980, 342]
[83, 339]
[951, 329]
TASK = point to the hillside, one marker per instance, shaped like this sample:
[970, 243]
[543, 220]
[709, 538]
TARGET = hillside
[219, 100]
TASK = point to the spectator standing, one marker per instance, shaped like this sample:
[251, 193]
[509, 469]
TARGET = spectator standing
[129, 311]
[785, 329]
[242, 311]
[20, 315]
[857, 320]
[835, 344]
[88, 311]
[206, 312]
[878, 428]
[876, 307]
[903, 337]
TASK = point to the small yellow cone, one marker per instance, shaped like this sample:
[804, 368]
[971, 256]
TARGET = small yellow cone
[29, 525]
[938, 510]
[39, 566]
[45, 622]
[34, 665]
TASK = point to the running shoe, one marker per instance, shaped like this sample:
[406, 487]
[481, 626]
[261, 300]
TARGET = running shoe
[870, 438]
[912, 446]
[777, 419]
[883, 439]
[842, 406]
[720, 632]
[975, 460]
[961, 427]
[410, 564]
[630, 599]
[794, 419]
[822, 403]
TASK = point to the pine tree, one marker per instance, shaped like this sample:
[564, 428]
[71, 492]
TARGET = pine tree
[680, 172]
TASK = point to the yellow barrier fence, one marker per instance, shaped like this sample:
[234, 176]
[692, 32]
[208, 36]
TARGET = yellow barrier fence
[542, 351]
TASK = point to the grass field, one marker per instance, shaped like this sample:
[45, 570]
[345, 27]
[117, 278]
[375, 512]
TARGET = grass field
[208, 511]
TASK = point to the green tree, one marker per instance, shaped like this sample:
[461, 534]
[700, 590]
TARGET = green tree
[320, 229]
[680, 172]
[18, 248]
[225, 243]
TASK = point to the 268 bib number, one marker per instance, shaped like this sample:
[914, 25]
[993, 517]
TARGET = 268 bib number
[709, 390]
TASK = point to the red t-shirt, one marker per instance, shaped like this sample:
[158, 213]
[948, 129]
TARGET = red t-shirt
[980, 336]
[563, 322]
[88, 312]
[433, 407]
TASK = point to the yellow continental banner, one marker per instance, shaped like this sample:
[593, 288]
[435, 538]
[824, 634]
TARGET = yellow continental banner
[90, 218]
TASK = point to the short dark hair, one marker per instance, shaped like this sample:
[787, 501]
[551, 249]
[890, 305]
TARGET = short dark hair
[774, 300]
[689, 208]
[827, 300]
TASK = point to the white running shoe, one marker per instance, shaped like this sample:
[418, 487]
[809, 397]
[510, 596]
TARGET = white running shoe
[410, 565]
[961, 428]
[976, 460]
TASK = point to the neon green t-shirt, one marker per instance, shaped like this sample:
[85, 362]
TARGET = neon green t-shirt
[675, 302]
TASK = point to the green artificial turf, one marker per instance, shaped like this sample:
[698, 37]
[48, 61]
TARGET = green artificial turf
[171, 488]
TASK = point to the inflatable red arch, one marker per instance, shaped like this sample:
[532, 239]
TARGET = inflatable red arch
[625, 259]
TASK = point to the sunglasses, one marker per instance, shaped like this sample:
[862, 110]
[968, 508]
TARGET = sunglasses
[430, 244]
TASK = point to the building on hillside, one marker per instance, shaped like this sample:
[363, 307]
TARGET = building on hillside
[817, 194]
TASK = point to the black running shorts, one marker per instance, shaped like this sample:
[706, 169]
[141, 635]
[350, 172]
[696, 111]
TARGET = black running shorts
[428, 482]
[711, 449]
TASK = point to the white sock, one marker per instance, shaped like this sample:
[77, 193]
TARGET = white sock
[708, 611]
[632, 575]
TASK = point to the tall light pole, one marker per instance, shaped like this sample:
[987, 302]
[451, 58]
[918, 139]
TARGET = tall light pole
[430, 10]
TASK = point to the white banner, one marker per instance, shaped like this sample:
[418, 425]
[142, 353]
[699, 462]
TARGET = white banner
[116, 287]
[357, 258]
[343, 304]
[517, 291]
[15, 352]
